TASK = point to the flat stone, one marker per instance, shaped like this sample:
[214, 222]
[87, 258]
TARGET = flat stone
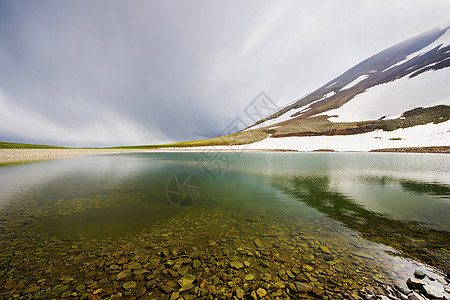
[135, 266]
[183, 270]
[239, 293]
[174, 295]
[415, 296]
[166, 289]
[415, 283]
[122, 261]
[325, 250]
[140, 291]
[319, 292]
[237, 264]
[261, 292]
[280, 284]
[402, 287]
[308, 268]
[302, 288]
[9, 285]
[186, 287]
[186, 280]
[434, 291]
[80, 288]
[31, 289]
[419, 274]
[258, 243]
[249, 277]
[123, 274]
[129, 285]
[196, 263]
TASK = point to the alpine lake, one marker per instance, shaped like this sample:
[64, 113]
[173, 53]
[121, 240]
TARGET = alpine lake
[226, 225]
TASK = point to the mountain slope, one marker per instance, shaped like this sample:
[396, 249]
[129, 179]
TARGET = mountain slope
[381, 93]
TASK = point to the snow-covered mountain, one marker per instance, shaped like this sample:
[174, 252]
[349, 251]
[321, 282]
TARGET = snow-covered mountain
[376, 104]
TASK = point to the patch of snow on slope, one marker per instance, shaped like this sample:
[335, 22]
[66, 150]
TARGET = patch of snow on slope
[354, 82]
[332, 93]
[284, 117]
[394, 98]
[418, 136]
[397, 64]
[288, 115]
[442, 41]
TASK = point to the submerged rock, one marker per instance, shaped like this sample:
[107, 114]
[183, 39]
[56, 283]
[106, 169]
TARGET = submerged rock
[237, 264]
[303, 288]
[419, 274]
[415, 296]
[261, 292]
[434, 291]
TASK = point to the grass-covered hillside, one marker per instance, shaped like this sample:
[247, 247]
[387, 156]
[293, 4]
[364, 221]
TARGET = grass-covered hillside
[6, 145]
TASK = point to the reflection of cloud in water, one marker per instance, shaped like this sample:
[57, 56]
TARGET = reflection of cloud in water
[106, 171]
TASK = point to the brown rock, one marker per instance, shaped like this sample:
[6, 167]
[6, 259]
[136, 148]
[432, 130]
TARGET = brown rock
[325, 250]
[239, 293]
[174, 295]
[303, 288]
[31, 289]
[9, 285]
[261, 292]
[318, 292]
[122, 261]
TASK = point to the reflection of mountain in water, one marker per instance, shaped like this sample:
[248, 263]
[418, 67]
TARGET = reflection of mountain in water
[413, 239]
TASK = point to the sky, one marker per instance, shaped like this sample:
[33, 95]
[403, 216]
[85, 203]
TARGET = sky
[106, 73]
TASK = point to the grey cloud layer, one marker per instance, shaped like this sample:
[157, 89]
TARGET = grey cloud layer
[91, 73]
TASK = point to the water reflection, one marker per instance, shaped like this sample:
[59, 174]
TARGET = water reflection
[413, 239]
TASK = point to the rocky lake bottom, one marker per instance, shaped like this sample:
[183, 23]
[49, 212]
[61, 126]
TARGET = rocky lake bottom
[209, 251]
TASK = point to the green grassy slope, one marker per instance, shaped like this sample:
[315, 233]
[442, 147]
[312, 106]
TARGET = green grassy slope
[6, 145]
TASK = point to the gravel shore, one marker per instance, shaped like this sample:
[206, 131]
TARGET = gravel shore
[17, 155]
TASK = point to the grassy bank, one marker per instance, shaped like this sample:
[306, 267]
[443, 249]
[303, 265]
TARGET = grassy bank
[6, 145]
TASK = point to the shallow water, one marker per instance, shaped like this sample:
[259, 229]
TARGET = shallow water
[338, 222]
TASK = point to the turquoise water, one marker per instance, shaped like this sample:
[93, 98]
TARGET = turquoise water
[390, 209]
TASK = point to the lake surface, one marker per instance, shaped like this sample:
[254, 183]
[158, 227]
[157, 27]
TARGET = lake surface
[136, 224]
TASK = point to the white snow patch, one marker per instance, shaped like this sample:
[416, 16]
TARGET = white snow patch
[274, 127]
[284, 117]
[354, 82]
[397, 64]
[442, 41]
[288, 115]
[332, 93]
[331, 84]
[418, 136]
[394, 98]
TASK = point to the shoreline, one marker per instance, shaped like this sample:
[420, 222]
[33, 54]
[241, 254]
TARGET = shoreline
[25, 155]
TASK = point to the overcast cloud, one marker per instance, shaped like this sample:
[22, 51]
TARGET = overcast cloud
[103, 73]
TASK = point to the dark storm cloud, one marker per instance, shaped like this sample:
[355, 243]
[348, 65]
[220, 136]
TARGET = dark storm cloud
[139, 72]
